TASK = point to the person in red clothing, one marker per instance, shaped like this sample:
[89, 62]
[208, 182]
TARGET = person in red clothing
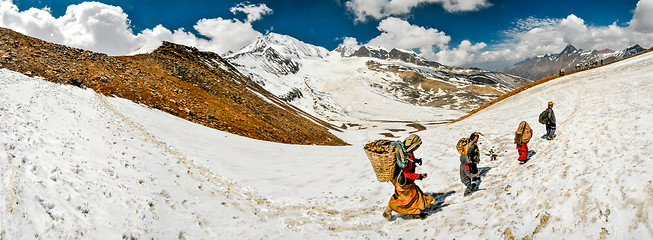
[408, 198]
[522, 137]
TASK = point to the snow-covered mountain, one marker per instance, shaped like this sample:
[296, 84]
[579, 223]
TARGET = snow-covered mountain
[77, 164]
[569, 59]
[286, 46]
[394, 54]
[318, 81]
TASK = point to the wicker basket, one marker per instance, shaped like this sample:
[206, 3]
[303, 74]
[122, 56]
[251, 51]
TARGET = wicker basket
[382, 158]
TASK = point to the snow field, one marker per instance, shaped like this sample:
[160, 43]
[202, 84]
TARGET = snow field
[75, 164]
[593, 181]
[74, 168]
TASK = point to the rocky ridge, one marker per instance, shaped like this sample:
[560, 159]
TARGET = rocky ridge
[570, 58]
[430, 83]
[198, 86]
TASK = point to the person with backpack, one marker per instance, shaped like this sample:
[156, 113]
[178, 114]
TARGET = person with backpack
[522, 137]
[549, 119]
[469, 158]
[408, 198]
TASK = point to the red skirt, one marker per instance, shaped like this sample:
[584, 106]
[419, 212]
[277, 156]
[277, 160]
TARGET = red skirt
[523, 152]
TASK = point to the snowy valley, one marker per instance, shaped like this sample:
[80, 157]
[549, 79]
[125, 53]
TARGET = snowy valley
[77, 164]
[355, 88]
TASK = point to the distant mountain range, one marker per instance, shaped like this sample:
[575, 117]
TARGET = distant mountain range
[306, 76]
[569, 59]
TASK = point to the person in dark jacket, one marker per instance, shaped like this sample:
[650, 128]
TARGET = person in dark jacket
[551, 122]
[408, 198]
[468, 165]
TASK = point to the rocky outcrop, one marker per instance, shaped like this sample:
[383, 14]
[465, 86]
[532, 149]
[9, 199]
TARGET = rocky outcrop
[413, 58]
[367, 52]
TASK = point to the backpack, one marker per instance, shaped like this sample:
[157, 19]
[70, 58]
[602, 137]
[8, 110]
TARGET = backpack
[543, 117]
[464, 143]
[523, 133]
[461, 146]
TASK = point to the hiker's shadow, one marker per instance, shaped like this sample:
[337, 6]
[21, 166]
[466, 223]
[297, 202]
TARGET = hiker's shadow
[436, 207]
[531, 153]
[482, 171]
[439, 202]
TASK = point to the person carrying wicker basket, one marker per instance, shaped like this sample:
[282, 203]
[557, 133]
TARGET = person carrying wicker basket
[408, 198]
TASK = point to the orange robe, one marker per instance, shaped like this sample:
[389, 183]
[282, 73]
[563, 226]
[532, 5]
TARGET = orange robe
[409, 198]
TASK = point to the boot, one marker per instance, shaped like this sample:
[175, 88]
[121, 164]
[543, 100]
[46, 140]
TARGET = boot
[387, 213]
[430, 203]
[469, 189]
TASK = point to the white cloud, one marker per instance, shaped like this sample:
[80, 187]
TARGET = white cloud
[254, 12]
[89, 25]
[642, 21]
[94, 25]
[350, 42]
[530, 37]
[531, 23]
[552, 38]
[225, 34]
[379, 9]
[348, 46]
[398, 33]
[460, 55]
[104, 28]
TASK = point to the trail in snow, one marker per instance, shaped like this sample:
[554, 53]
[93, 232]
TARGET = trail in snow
[91, 171]
[246, 200]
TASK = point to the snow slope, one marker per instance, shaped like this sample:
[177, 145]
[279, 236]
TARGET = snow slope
[75, 164]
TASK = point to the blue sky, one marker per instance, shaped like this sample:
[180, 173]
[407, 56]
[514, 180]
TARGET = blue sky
[483, 33]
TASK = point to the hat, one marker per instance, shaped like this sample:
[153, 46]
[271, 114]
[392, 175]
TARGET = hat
[550, 103]
[412, 142]
[474, 136]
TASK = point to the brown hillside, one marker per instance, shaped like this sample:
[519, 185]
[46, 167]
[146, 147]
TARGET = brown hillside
[198, 86]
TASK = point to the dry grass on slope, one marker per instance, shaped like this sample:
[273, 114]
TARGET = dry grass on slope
[538, 82]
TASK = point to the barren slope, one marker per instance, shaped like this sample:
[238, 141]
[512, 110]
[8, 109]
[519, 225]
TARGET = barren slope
[198, 86]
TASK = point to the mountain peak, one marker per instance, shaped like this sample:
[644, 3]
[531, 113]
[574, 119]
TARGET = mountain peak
[286, 45]
[569, 49]
[636, 47]
[366, 51]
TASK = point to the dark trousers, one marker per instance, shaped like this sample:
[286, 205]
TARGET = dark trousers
[467, 172]
[550, 130]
